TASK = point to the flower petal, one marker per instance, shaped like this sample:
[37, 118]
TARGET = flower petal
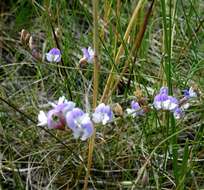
[42, 119]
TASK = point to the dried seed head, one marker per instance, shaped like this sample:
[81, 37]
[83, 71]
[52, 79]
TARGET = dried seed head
[138, 93]
[31, 43]
[25, 35]
[117, 109]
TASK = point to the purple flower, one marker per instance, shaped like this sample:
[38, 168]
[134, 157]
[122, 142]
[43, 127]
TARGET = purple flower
[79, 123]
[190, 93]
[54, 55]
[103, 114]
[172, 103]
[55, 118]
[164, 102]
[88, 54]
[159, 100]
[178, 113]
[135, 109]
[63, 105]
[164, 90]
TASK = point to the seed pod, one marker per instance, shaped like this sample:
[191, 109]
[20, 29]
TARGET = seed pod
[25, 36]
[117, 109]
[31, 44]
[138, 93]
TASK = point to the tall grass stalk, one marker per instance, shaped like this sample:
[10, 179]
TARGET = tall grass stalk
[107, 10]
[95, 84]
[135, 14]
[168, 19]
[135, 48]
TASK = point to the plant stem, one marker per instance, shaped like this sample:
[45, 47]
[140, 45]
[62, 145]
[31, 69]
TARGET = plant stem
[95, 85]
[96, 60]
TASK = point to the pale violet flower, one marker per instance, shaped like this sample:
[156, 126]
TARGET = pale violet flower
[55, 118]
[164, 90]
[103, 114]
[54, 55]
[178, 113]
[164, 102]
[135, 109]
[88, 54]
[80, 124]
[63, 105]
[160, 98]
[190, 93]
[171, 104]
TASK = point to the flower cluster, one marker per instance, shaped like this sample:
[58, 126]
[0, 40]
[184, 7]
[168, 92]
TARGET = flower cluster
[163, 101]
[64, 115]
